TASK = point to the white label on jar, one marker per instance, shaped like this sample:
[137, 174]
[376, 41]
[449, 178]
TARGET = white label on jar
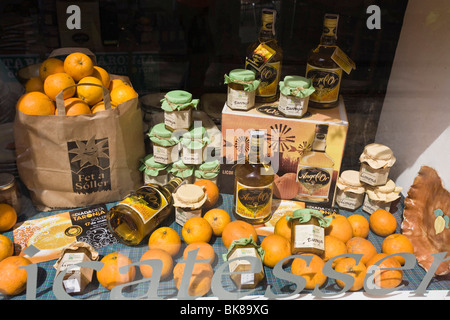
[165, 155]
[182, 215]
[247, 278]
[373, 177]
[239, 253]
[349, 200]
[371, 206]
[178, 119]
[161, 179]
[192, 156]
[292, 106]
[240, 99]
[309, 236]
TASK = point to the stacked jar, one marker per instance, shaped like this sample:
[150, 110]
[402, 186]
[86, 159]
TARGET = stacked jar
[242, 85]
[294, 96]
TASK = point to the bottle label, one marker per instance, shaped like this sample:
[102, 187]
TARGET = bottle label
[309, 236]
[269, 77]
[147, 202]
[314, 181]
[253, 202]
[326, 82]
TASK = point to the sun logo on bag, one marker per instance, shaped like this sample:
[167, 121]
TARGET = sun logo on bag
[89, 152]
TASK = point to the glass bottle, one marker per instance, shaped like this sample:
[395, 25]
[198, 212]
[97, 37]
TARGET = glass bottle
[325, 74]
[265, 56]
[253, 186]
[315, 170]
[141, 211]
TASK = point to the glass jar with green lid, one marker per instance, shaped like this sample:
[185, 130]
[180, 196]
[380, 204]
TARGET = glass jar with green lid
[208, 170]
[245, 247]
[294, 96]
[308, 231]
[154, 172]
[165, 144]
[177, 106]
[182, 170]
[241, 89]
[193, 144]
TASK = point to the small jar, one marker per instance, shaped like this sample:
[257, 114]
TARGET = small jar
[308, 231]
[208, 170]
[350, 190]
[177, 106]
[9, 191]
[245, 248]
[241, 89]
[294, 96]
[154, 172]
[381, 197]
[165, 144]
[376, 162]
[182, 170]
[193, 144]
[188, 201]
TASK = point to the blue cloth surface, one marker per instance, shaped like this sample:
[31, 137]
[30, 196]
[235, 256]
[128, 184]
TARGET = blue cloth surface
[167, 290]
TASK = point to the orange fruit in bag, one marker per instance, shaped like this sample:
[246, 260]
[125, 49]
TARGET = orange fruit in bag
[78, 65]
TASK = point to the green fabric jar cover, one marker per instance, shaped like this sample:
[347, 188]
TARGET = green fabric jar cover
[160, 135]
[208, 170]
[304, 215]
[244, 77]
[196, 138]
[152, 168]
[177, 100]
[296, 86]
[244, 242]
[181, 170]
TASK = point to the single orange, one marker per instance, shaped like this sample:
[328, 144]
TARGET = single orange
[157, 254]
[357, 271]
[386, 278]
[283, 227]
[312, 273]
[362, 246]
[13, 279]
[75, 106]
[205, 251]
[200, 282]
[36, 103]
[90, 94]
[165, 238]
[8, 217]
[360, 225]
[238, 229]
[334, 247]
[397, 243]
[57, 82]
[382, 222]
[100, 106]
[110, 276]
[6, 247]
[78, 65]
[196, 229]
[218, 219]
[122, 94]
[114, 83]
[211, 190]
[50, 66]
[102, 75]
[34, 84]
[276, 248]
[340, 228]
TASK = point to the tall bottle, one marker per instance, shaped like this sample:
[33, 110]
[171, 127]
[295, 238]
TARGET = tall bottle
[265, 56]
[253, 186]
[315, 170]
[141, 211]
[325, 74]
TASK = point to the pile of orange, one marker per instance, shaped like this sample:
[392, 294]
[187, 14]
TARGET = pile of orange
[56, 76]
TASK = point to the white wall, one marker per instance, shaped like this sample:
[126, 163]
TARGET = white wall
[415, 120]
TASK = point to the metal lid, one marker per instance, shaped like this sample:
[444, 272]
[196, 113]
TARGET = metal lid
[7, 181]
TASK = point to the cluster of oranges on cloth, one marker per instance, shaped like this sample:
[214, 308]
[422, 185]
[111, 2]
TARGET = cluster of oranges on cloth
[343, 235]
[56, 75]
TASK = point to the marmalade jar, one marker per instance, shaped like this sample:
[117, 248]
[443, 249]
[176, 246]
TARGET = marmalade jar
[165, 144]
[376, 162]
[294, 96]
[241, 89]
[178, 106]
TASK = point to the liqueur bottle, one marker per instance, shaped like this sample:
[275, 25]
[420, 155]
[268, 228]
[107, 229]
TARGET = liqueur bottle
[264, 57]
[141, 211]
[322, 70]
[253, 186]
[315, 170]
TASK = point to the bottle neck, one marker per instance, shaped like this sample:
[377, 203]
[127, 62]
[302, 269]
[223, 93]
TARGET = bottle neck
[329, 31]
[320, 142]
[267, 31]
[173, 184]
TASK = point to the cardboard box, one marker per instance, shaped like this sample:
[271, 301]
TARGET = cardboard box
[288, 141]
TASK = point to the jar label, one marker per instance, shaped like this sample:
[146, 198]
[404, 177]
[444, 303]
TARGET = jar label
[314, 181]
[309, 236]
[253, 202]
[239, 253]
[147, 202]
[182, 215]
[349, 200]
[192, 156]
[371, 206]
[326, 82]
[292, 106]
[176, 120]
[161, 179]
[240, 99]
[373, 177]
[165, 155]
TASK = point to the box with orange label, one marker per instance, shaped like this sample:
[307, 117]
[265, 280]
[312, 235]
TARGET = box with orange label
[305, 153]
